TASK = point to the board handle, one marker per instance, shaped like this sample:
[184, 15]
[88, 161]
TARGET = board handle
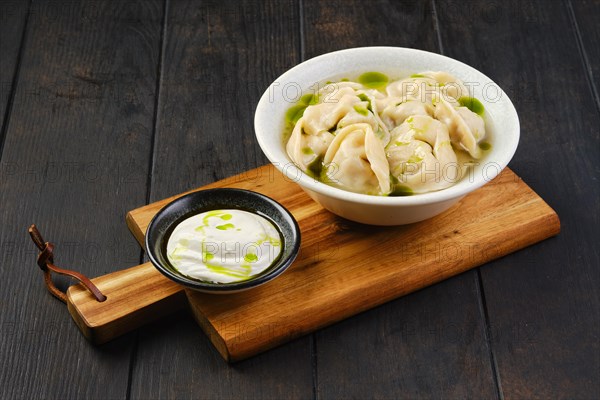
[134, 297]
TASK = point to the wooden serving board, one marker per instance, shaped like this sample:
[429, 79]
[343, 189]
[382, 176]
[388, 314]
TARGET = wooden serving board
[343, 267]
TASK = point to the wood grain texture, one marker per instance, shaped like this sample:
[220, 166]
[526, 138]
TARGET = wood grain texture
[135, 297]
[334, 277]
[219, 57]
[457, 301]
[544, 317]
[78, 150]
[586, 13]
[75, 159]
[13, 15]
[339, 24]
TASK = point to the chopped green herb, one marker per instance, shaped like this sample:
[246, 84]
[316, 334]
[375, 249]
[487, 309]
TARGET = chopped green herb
[414, 159]
[307, 151]
[361, 110]
[364, 97]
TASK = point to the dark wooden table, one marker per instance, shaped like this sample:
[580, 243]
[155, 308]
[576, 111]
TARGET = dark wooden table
[108, 105]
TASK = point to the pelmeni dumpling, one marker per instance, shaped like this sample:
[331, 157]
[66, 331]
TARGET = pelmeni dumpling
[356, 161]
[429, 86]
[360, 113]
[451, 86]
[313, 132]
[407, 136]
[306, 149]
[380, 128]
[331, 109]
[466, 128]
[342, 104]
[395, 114]
[421, 157]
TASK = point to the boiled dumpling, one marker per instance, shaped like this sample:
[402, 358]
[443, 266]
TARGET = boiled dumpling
[365, 111]
[325, 115]
[449, 85]
[314, 131]
[421, 157]
[360, 113]
[466, 128]
[408, 136]
[429, 87]
[341, 104]
[380, 128]
[306, 149]
[395, 114]
[356, 161]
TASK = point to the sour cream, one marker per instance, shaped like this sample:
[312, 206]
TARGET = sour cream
[224, 246]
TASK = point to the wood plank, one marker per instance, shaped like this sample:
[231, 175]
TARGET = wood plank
[377, 23]
[325, 285]
[219, 58]
[395, 335]
[345, 366]
[586, 14]
[544, 302]
[13, 15]
[78, 146]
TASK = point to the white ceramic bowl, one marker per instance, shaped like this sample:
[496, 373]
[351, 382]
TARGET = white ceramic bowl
[502, 124]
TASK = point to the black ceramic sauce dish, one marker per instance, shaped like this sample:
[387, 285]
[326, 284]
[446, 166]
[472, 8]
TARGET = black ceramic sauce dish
[165, 221]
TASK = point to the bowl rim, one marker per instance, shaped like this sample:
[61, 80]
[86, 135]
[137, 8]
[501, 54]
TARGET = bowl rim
[281, 265]
[292, 172]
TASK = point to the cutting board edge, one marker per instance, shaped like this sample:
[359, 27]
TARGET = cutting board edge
[212, 333]
[99, 326]
[135, 229]
[231, 355]
[86, 329]
[548, 219]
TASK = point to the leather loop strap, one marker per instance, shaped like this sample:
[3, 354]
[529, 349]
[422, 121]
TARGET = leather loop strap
[45, 261]
[46, 256]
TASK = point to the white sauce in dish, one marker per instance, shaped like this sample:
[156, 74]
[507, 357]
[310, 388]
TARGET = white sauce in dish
[224, 246]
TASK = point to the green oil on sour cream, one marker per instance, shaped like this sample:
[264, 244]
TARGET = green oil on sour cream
[224, 246]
